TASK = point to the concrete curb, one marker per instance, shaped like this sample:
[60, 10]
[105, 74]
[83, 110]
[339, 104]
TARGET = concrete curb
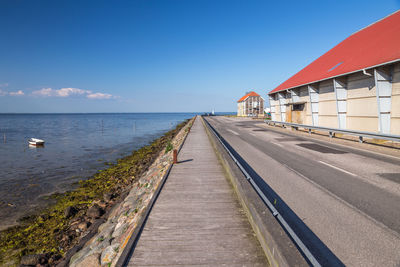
[278, 247]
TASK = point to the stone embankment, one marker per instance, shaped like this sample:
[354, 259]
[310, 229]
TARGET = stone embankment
[105, 248]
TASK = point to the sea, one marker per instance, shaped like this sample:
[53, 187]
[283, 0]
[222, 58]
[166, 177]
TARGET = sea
[76, 147]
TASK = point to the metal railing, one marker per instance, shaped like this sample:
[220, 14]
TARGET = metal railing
[333, 131]
[299, 243]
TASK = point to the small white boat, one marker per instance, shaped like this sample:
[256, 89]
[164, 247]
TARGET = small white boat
[36, 142]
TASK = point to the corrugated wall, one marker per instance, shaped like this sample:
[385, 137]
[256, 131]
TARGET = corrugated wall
[362, 107]
[361, 103]
[327, 116]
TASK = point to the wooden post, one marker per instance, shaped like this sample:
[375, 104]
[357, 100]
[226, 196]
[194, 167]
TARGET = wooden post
[175, 156]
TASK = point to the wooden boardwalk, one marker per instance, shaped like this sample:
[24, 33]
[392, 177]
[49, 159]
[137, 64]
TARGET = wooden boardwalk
[197, 219]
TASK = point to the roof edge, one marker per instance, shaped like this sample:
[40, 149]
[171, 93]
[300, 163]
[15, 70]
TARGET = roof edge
[332, 77]
[374, 22]
[239, 101]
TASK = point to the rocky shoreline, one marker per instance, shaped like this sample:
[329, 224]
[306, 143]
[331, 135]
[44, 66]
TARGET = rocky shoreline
[92, 225]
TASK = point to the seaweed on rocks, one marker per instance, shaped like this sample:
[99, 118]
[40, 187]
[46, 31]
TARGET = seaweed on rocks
[59, 227]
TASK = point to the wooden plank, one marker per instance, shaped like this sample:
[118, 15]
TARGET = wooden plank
[197, 219]
[210, 258]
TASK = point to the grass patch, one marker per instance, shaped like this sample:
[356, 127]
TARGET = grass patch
[169, 147]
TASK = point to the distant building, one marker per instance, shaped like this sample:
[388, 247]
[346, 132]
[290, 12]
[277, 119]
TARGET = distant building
[355, 85]
[251, 104]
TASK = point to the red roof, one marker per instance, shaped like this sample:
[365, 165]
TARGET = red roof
[374, 45]
[247, 95]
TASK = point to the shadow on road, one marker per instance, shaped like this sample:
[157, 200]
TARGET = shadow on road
[320, 251]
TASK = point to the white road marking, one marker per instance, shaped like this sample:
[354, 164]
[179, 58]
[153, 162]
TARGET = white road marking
[343, 201]
[337, 168]
[277, 144]
[232, 131]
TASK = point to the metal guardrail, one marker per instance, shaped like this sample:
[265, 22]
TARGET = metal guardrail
[302, 247]
[332, 131]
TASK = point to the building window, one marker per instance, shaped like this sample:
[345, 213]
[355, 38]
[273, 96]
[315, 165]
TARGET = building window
[298, 107]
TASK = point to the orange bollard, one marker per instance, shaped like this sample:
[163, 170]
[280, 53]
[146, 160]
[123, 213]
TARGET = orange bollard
[175, 156]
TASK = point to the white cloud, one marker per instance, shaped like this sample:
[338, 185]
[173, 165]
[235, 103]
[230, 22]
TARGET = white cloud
[99, 96]
[67, 92]
[44, 92]
[63, 92]
[18, 93]
[5, 93]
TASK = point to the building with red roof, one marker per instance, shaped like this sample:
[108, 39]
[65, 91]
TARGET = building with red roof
[355, 85]
[251, 104]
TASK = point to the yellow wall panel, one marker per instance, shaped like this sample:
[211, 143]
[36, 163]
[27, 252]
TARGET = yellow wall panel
[395, 106]
[307, 106]
[327, 108]
[308, 120]
[328, 121]
[362, 107]
[362, 124]
[363, 86]
[395, 126]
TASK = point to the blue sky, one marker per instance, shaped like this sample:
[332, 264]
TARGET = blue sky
[163, 56]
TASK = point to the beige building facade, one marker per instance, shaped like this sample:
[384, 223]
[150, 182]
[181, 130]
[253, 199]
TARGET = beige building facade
[250, 105]
[367, 100]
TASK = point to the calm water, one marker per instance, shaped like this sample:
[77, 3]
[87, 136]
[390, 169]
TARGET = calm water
[76, 146]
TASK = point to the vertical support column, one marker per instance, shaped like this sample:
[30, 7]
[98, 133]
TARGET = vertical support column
[341, 102]
[383, 86]
[282, 107]
[272, 108]
[314, 98]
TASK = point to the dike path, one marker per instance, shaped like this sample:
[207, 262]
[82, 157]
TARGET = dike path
[197, 218]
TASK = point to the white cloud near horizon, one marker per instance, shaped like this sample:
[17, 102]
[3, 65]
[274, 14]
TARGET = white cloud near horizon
[63, 92]
[5, 93]
[100, 96]
[18, 93]
[67, 92]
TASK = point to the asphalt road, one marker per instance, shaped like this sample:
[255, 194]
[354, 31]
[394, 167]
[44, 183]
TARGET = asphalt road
[343, 202]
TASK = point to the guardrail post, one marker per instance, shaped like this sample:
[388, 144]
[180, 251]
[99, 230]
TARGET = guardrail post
[331, 134]
[360, 139]
[309, 131]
